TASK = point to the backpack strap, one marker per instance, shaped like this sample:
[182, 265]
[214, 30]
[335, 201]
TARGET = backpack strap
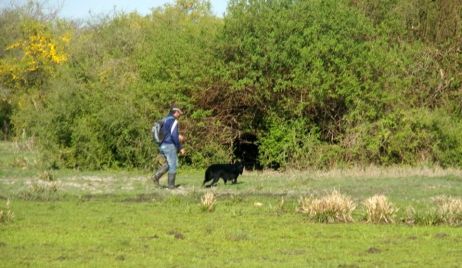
[175, 123]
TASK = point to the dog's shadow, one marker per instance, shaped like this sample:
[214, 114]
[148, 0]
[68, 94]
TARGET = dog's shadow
[228, 184]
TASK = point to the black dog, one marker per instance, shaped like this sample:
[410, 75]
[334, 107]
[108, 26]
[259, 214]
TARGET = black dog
[224, 171]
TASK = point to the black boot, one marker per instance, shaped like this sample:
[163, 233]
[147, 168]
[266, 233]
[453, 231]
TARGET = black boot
[171, 180]
[161, 171]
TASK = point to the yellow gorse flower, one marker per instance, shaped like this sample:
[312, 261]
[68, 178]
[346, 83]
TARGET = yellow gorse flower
[37, 51]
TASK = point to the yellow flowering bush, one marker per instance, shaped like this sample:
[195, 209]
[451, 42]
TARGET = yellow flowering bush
[38, 51]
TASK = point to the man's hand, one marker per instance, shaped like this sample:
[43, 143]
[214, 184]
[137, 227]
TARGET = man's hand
[182, 151]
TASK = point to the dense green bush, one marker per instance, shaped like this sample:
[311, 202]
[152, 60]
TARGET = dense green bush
[320, 83]
[289, 143]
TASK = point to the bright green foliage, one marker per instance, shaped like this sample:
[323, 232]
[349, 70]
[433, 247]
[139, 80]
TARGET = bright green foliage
[319, 83]
[294, 141]
[326, 62]
[319, 60]
[175, 64]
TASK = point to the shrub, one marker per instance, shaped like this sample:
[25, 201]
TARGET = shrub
[290, 143]
[447, 144]
[6, 215]
[46, 175]
[406, 137]
[331, 208]
[379, 209]
[320, 83]
[208, 202]
[449, 209]
[427, 217]
[41, 190]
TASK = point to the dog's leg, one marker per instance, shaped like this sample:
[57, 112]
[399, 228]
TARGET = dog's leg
[206, 178]
[215, 181]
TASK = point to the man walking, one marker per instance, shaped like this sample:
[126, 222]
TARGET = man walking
[169, 147]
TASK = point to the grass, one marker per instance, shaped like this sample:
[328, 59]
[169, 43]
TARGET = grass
[118, 218]
[176, 232]
[18, 159]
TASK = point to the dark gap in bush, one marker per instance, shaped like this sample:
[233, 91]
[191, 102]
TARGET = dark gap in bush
[245, 149]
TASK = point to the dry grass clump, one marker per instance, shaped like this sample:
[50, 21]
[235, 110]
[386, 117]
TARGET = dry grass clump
[24, 144]
[379, 209]
[331, 208]
[208, 201]
[449, 209]
[6, 215]
[40, 190]
[388, 172]
[46, 175]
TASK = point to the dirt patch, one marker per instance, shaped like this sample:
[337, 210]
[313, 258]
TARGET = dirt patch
[149, 237]
[140, 198]
[348, 266]
[62, 258]
[292, 252]
[441, 235]
[176, 234]
[120, 258]
[374, 250]
[239, 236]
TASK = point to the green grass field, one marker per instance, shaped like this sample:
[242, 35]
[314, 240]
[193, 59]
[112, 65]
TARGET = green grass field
[118, 218]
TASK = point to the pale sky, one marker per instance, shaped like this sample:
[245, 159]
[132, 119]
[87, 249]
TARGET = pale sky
[80, 9]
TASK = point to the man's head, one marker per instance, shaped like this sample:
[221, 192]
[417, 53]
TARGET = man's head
[176, 112]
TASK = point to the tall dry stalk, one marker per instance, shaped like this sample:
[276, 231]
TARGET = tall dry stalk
[449, 209]
[379, 209]
[333, 207]
[208, 201]
[6, 215]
